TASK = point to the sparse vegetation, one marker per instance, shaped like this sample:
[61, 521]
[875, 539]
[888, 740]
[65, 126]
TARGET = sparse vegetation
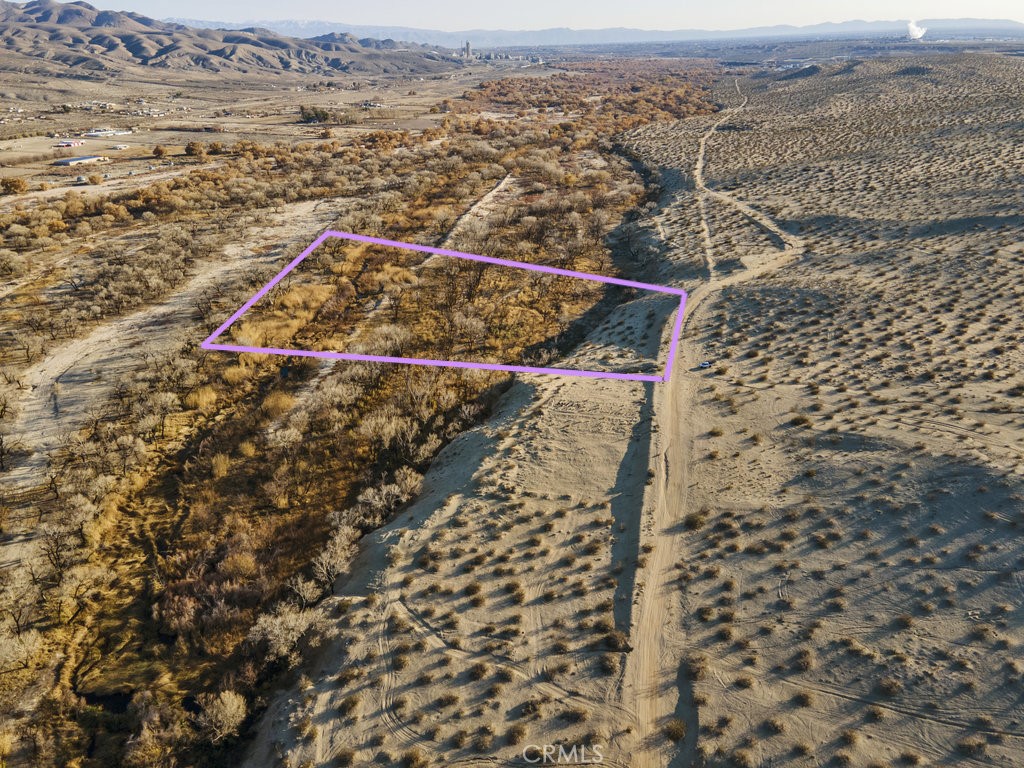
[848, 517]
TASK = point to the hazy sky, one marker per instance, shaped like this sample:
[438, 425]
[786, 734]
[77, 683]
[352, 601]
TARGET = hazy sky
[580, 14]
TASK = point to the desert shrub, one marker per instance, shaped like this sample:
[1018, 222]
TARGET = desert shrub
[282, 631]
[609, 664]
[483, 742]
[313, 115]
[220, 464]
[414, 758]
[675, 729]
[697, 667]
[804, 659]
[890, 686]
[616, 640]
[13, 185]
[202, 398]
[972, 747]
[695, 520]
[277, 403]
[348, 705]
[196, 149]
[459, 739]
[803, 699]
[575, 715]
[447, 700]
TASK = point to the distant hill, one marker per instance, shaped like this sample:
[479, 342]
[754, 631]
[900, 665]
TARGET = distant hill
[47, 36]
[941, 28]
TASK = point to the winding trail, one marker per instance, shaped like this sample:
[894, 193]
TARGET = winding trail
[657, 628]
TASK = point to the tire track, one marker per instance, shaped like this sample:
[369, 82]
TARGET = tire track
[659, 607]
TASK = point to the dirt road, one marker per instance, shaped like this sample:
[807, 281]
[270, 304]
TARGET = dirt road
[657, 631]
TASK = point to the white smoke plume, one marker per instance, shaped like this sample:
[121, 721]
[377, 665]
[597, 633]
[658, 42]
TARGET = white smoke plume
[915, 32]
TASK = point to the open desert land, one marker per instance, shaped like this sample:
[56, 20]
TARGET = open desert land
[845, 584]
[805, 555]
[173, 519]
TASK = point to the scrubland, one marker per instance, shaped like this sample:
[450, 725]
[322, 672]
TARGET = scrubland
[846, 558]
[806, 554]
[175, 520]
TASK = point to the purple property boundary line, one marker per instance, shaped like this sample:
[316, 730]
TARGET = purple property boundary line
[210, 343]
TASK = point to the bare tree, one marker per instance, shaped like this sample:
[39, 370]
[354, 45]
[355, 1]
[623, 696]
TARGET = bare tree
[18, 651]
[335, 557]
[78, 590]
[164, 403]
[130, 450]
[305, 590]
[59, 544]
[19, 599]
[9, 446]
[282, 631]
[222, 714]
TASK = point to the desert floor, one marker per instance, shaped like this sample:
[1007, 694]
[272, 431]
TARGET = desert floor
[806, 554]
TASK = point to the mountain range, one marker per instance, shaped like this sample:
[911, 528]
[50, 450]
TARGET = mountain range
[48, 37]
[44, 36]
[489, 38]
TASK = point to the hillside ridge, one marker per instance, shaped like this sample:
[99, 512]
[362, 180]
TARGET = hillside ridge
[44, 35]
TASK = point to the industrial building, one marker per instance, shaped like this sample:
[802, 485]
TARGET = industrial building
[81, 160]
